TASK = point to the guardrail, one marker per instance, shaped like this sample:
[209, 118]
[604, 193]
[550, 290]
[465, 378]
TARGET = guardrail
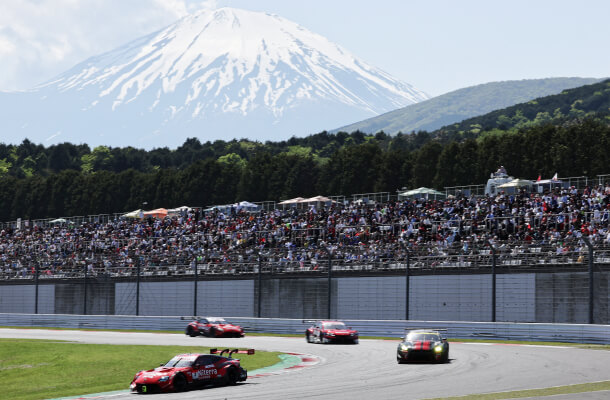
[577, 333]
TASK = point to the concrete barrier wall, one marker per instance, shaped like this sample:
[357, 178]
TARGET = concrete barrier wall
[521, 297]
[579, 333]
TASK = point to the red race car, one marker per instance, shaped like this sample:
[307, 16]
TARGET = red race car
[213, 327]
[330, 332]
[189, 370]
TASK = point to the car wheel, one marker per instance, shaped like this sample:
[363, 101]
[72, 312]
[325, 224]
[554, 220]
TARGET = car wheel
[212, 332]
[232, 377]
[308, 338]
[191, 332]
[445, 358]
[179, 383]
[400, 360]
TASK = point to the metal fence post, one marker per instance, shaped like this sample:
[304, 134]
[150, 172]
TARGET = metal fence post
[36, 271]
[195, 287]
[330, 277]
[407, 286]
[85, 290]
[260, 287]
[407, 279]
[591, 279]
[493, 281]
[137, 259]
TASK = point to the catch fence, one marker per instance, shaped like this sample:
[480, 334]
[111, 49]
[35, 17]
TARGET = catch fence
[490, 280]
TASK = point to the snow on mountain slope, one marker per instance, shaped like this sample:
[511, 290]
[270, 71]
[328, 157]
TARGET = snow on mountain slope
[214, 74]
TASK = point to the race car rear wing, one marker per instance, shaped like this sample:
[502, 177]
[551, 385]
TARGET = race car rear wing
[231, 352]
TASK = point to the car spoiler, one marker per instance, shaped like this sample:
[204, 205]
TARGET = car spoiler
[189, 318]
[231, 352]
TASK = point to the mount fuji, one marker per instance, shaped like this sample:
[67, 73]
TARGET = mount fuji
[219, 74]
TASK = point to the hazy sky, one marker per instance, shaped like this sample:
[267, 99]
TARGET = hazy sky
[435, 45]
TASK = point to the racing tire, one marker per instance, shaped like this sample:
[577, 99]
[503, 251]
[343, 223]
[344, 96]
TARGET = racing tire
[191, 332]
[180, 383]
[212, 332]
[232, 377]
[400, 360]
[444, 358]
[308, 338]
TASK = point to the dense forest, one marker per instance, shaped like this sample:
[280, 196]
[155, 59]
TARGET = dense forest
[567, 133]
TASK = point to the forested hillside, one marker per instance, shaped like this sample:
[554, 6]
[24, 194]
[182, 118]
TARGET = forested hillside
[464, 103]
[589, 100]
[67, 179]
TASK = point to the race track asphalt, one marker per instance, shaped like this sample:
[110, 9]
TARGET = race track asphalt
[369, 370]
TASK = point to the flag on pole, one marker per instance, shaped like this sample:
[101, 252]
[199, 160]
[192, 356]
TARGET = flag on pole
[555, 177]
[539, 178]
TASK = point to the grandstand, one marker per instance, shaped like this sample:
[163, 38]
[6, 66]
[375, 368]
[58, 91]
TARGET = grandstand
[528, 230]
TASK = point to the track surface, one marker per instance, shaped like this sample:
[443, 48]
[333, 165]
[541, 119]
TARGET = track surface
[369, 370]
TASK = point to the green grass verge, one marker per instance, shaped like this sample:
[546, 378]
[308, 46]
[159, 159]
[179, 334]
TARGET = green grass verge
[519, 394]
[43, 369]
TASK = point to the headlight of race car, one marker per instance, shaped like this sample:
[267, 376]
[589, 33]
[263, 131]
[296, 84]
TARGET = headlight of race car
[330, 334]
[164, 379]
[220, 329]
[353, 334]
[438, 349]
[404, 347]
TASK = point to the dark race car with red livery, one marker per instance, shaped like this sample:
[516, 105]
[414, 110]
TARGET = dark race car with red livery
[423, 345]
[330, 332]
[213, 327]
[186, 371]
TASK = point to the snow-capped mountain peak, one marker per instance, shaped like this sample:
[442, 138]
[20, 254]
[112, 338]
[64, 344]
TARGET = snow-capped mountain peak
[211, 67]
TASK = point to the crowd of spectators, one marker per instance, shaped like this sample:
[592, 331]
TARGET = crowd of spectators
[356, 231]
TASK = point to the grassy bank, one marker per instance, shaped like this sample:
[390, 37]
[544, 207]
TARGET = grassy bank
[41, 369]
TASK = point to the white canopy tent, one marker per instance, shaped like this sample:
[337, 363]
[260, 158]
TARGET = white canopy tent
[291, 201]
[422, 192]
[134, 214]
[178, 210]
[517, 183]
[247, 206]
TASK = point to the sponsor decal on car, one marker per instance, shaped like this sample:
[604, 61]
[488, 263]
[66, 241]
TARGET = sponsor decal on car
[204, 373]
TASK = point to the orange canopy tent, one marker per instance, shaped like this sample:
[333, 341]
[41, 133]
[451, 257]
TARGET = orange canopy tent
[156, 213]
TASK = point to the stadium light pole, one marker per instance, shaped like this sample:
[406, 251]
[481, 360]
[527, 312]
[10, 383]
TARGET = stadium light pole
[493, 280]
[591, 279]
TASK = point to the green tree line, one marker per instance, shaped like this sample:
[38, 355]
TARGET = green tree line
[65, 180]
